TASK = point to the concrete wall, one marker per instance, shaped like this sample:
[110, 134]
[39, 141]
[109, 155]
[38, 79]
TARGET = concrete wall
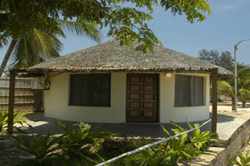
[57, 98]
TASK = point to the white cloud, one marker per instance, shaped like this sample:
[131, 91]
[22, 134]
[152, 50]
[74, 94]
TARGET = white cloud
[229, 5]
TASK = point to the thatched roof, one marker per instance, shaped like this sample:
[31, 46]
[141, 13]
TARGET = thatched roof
[110, 56]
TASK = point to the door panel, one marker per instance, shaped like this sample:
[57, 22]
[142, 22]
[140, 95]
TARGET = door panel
[142, 98]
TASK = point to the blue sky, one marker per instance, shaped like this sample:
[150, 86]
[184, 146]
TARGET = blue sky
[229, 23]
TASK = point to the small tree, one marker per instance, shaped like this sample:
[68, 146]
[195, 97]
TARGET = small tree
[126, 24]
[227, 87]
[244, 96]
[224, 59]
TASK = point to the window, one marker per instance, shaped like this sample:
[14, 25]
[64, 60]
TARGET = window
[189, 91]
[90, 90]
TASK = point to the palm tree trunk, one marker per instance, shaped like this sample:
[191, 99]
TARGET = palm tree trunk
[233, 106]
[244, 104]
[7, 56]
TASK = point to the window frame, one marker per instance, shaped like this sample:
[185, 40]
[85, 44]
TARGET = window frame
[87, 105]
[203, 91]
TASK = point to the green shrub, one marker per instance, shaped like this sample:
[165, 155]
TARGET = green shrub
[176, 150]
[148, 157]
[179, 149]
[3, 121]
[114, 147]
[18, 118]
[81, 147]
[200, 140]
[81, 143]
[75, 147]
[244, 160]
[40, 147]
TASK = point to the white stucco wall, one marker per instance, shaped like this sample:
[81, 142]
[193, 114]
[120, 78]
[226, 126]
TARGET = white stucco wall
[179, 114]
[57, 98]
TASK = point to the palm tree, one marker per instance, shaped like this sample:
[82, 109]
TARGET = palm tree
[37, 46]
[244, 95]
[32, 41]
[227, 87]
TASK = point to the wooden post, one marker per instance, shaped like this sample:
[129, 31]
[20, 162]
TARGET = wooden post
[11, 101]
[214, 101]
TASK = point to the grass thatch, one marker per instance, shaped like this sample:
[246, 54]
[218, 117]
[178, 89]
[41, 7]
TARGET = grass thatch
[110, 56]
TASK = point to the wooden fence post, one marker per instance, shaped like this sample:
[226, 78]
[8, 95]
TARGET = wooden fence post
[11, 101]
[214, 101]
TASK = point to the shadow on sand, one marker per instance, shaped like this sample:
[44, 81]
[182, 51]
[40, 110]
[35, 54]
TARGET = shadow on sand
[221, 118]
[43, 125]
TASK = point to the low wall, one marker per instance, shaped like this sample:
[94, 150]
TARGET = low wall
[225, 149]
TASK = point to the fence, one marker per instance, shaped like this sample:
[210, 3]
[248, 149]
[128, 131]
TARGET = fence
[26, 98]
[150, 145]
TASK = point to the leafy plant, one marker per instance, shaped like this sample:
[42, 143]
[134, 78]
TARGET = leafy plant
[113, 147]
[40, 147]
[81, 142]
[81, 147]
[179, 149]
[3, 120]
[176, 150]
[244, 160]
[199, 139]
[148, 157]
[18, 119]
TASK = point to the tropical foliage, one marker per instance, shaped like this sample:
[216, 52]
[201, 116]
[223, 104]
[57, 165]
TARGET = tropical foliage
[180, 149]
[76, 144]
[31, 42]
[81, 142]
[79, 146]
[226, 87]
[32, 27]
[18, 120]
[40, 147]
[244, 160]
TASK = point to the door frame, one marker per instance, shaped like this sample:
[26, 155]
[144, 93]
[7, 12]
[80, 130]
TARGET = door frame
[157, 93]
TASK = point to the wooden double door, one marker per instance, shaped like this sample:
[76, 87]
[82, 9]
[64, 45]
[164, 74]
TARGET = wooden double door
[142, 98]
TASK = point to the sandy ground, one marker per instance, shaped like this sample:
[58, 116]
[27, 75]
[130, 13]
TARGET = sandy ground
[242, 113]
[229, 121]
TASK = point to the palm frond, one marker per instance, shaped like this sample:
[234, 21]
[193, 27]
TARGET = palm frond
[244, 73]
[81, 28]
[225, 88]
[47, 44]
[244, 94]
[34, 48]
[19, 57]
[4, 39]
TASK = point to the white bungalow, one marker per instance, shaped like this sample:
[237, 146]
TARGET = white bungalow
[109, 83]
